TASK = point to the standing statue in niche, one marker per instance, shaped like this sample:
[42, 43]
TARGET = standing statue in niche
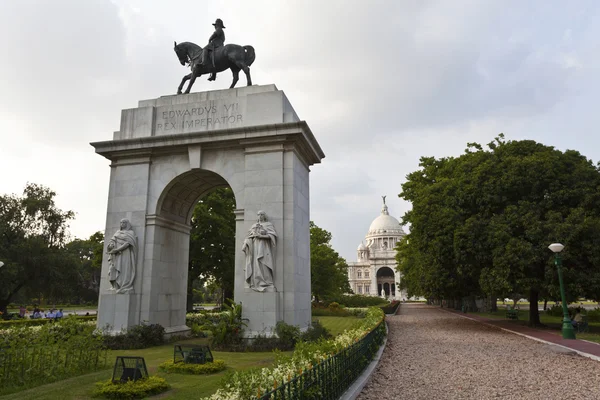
[382, 293]
[259, 247]
[122, 251]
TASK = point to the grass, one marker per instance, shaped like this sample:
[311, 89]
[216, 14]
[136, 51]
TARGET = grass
[553, 323]
[182, 386]
[550, 303]
[337, 325]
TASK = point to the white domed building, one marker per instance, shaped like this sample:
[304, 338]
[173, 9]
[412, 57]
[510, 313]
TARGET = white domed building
[374, 274]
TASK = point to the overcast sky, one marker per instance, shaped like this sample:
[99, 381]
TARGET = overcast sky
[379, 83]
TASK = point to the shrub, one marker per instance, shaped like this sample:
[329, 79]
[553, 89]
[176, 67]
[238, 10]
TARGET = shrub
[327, 312]
[136, 337]
[358, 300]
[132, 389]
[192, 369]
[555, 311]
[40, 321]
[198, 331]
[287, 333]
[391, 308]
[38, 355]
[250, 383]
[230, 328]
[594, 315]
[357, 312]
[315, 331]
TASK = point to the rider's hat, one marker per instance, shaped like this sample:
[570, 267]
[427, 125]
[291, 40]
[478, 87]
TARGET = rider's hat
[219, 23]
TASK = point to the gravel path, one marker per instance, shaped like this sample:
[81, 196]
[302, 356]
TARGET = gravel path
[433, 354]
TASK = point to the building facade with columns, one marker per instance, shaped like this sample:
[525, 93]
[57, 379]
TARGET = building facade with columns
[375, 274]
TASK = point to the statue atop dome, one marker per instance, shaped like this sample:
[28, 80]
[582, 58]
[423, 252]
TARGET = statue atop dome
[384, 209]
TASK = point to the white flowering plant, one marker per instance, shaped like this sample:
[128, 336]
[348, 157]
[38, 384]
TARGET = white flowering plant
[252, 384]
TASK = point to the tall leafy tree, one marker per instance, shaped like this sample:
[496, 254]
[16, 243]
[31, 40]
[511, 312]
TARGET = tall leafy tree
[212, 243]
[88, 255]
[484, 220]
[329, 271]
[33, 234]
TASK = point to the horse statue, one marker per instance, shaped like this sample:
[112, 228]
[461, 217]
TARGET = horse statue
[232, 56]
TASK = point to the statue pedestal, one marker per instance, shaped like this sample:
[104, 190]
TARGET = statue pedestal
[119, 311]
[262, 310]
[171, 151]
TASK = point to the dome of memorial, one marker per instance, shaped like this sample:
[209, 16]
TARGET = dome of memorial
[385, 225]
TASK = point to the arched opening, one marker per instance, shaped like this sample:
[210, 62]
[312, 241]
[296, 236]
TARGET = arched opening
[181, 195]
[193, 241]
[385, 281]
[211, 273]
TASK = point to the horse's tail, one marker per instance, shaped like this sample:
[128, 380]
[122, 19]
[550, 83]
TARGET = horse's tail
[250, 56]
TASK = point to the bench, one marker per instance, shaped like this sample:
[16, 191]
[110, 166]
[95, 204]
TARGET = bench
[511, 313]
[582, 326]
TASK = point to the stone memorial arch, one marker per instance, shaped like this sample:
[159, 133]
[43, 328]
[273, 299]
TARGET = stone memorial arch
[171, 151]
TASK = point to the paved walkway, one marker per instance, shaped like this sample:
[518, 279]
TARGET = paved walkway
[435, 354]
[589, 348]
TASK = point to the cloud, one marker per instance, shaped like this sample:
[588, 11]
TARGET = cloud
[380, 84]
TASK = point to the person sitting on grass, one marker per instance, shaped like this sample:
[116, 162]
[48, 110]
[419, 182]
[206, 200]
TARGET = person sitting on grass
[59, 314]
[51, 314]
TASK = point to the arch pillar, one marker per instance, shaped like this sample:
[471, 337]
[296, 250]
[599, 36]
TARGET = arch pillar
[173, 150]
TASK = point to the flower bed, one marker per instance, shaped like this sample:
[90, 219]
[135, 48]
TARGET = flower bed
[193, 369]
[339, 359]
[39, 321]
[139, 389]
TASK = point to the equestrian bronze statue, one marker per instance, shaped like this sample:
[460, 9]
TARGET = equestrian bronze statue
[214, 57]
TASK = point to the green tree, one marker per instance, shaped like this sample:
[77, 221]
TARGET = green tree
[212, 243]
[88, 255]
[33, 233]
[329, 271]
[482, 222]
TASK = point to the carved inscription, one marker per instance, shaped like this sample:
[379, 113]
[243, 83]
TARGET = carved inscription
[210, 116]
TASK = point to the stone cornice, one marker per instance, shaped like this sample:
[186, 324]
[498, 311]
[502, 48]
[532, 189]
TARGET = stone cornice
[296, 134]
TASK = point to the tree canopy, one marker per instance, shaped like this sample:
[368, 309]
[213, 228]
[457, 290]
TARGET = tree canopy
[212, 242]
[329, 271]
[481, 223]
[33, 234]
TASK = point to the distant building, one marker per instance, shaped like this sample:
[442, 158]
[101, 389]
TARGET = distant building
[375, 269]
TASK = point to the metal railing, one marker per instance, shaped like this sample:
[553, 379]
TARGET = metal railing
[332, 377]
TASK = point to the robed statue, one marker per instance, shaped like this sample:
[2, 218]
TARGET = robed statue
[122, 254]
[259, 248]
[215, 57]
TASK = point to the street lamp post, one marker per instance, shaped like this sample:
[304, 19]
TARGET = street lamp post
[567, 327]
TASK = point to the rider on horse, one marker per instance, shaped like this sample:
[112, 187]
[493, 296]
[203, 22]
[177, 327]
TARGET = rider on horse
[216, 40]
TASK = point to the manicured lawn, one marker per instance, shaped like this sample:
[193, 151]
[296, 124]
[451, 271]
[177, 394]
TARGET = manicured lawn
[182, 386]
[337, 325]
[553, 323]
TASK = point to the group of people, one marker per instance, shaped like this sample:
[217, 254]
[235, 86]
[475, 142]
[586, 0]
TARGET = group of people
[38, 313]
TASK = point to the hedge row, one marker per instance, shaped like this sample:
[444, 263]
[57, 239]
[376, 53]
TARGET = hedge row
[192, 369]
[139, 389]
[37, 322]
[391, 308]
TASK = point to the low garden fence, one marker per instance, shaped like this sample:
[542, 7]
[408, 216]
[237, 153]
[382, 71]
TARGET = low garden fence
[332, 377]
